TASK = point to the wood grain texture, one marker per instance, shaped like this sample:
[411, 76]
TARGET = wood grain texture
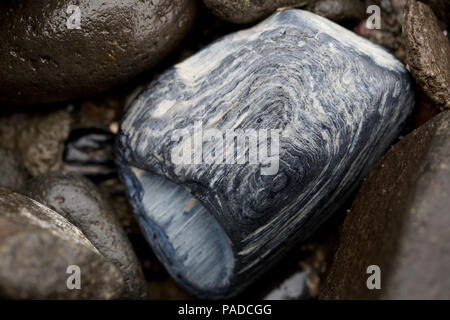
[338, 101]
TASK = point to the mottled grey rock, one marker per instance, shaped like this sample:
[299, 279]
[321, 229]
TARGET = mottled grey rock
[337, 102]
[43, 60]
[248, 11]
[79, 201]
[40, 142]
[400, 222]
[428, 52]
[12, 171]
[37, 246]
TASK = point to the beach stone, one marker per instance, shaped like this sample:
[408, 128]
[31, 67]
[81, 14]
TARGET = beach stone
[339, 10]
[115, 192]
[428, 52]
[37, 247]
[40, 141]
[441, 9]
[248, 11]
[337, 101]
[80, 202]
[45, 56]
[400, 222]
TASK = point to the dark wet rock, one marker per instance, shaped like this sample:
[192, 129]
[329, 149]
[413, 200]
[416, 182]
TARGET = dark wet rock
[37, 139]
[116, 41]
[248, 11]
[426, 109]
[115, 193]
[400, 222]
[12, 171]
[339, 10]
[441, 9]
[79, 200]
[27, 211]
[40, 141]
[90, 152]
[428, 52]
[37, 246]
[216, 227]
[167, 289]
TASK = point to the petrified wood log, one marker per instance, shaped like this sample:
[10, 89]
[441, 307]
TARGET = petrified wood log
[337, 102]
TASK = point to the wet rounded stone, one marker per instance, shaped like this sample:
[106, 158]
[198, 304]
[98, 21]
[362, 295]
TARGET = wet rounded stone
[248, 11]
[114, 41]
[441, 9]
[428, 52]
[339, 10]
[400, 222]
[79, 200]
[37, 249]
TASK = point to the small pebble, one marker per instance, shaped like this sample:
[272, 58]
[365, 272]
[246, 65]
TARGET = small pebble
[428, 52]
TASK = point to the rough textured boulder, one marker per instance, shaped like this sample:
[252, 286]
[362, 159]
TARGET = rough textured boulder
[400, 222]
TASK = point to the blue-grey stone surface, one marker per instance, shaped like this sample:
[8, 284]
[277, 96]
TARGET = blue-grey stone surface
[338, 102]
